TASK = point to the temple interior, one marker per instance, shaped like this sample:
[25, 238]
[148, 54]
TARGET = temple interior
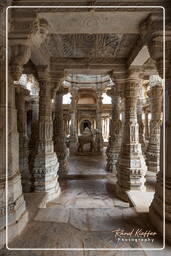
[85, 128]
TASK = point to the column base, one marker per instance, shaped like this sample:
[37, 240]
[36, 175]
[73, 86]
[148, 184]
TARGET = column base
[45, 178]
[112, 159]
[63, 168]
[122, 194]
[153, 166]
[17, 214]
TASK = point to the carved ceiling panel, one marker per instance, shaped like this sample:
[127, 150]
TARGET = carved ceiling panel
[89, 45]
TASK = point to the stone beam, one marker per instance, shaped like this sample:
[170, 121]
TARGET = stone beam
[104, 65]
[141, 57]
[94, 22]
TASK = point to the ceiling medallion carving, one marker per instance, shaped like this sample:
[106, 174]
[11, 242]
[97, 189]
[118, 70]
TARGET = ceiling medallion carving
[91, 45]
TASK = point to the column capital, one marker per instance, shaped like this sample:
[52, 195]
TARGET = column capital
[155, 91]
[113, 92]
[22, 90]
[118, 78]
[63, 90]
[19, 56]
[43, 72]
[34, 29]
[151, 31]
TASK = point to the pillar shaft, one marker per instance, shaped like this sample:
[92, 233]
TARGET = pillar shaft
[153, 150]
[21, 93]
[99, 137]
[114, 144]
[59, 134]
[45, 178]
[34, 134]
[73, 130]
[141, 125]
[17, 215]
[146, 125]
[131, 166]
[152, 35]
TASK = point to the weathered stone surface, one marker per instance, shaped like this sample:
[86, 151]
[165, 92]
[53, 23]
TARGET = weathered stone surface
[53, 215]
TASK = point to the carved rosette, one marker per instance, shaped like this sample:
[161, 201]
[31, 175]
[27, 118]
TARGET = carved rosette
[114, 144]
[131, 167]
[45, 163]
[153, 150]
[59, 136]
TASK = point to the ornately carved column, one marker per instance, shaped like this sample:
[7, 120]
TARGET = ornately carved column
[17, 215]
[99, 137]
[146, 111]
[141, 125]
[21, 93]
[152, 34]
[114, 144]
[131, 167]
[46, 163]
[153, 150]
[59, 133]
[73, 131]
[34, 133]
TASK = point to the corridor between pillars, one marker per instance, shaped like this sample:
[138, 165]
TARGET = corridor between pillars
[45, 178]
[131, 167]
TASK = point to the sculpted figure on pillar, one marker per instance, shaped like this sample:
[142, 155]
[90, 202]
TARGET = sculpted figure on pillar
[59, 133]
[131, 167]
[45, 178]
[114, 144]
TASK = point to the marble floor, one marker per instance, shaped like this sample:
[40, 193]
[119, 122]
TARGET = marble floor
[85, 216]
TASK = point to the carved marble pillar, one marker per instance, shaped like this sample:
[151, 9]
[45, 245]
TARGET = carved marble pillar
[131, 167]
[45, 178]
[34, 133]
[73, 131]
[141, 125]
[21, 93]
[59, 133]
[153, 150]
[99, 137]
[114, 144]
[17, 214]
[152, 34]
[146, 124]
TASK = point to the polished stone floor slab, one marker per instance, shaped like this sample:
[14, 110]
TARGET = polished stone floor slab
[83, 216]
